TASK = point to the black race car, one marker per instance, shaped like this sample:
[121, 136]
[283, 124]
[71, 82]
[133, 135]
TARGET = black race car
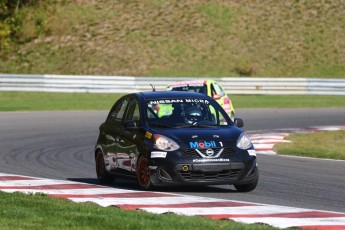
[192, 142]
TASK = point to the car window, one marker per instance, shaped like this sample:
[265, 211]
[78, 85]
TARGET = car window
[218, 90]
[133, 111]
[117, 113]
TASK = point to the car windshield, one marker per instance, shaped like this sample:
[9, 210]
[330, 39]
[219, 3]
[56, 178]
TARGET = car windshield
[189, 88]
[187, 112]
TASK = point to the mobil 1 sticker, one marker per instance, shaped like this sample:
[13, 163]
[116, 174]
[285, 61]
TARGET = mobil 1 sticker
[205, 144]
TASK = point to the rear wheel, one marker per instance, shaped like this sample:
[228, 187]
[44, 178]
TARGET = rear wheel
[102, 175]
[143, 173]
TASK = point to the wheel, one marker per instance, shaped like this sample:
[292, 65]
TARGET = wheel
[102, 174]
[250, 186]
[143, 173]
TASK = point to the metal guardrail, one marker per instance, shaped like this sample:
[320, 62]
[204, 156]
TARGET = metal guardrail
[124, 84]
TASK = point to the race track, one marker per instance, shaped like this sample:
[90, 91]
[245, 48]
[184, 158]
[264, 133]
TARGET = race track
[59, 145]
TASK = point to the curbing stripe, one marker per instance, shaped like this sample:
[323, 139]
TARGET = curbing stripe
[264, 141]
[159, 203]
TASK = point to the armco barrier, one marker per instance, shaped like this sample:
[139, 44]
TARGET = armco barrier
[124, 84]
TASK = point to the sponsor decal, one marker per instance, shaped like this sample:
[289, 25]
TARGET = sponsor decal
[158, 154]
[170, 101]
[202, 144]
[148, 135]
[252, 152]
[210, 160]
[166, 101]
[197, 101]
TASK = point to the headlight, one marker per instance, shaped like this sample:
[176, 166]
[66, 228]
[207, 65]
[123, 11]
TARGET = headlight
[243, 142]
[165, 143]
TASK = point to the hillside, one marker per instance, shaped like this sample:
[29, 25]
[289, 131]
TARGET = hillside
[270, 38]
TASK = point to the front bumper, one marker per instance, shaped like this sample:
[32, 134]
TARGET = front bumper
[166, 172]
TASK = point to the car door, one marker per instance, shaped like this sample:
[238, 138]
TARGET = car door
[129, 139]
[110, 132]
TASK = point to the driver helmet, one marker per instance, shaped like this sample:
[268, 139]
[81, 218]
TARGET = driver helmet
[193, 115]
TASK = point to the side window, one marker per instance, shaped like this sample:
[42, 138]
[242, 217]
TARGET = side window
[217, 116]
[219, 90]
[133, 112]
[118, 111]
[152, 111]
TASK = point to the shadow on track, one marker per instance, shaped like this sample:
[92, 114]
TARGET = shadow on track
[133, 185]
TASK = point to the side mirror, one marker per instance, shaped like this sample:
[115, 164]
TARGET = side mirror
[238, 122]
[216, 97]
[130, 125]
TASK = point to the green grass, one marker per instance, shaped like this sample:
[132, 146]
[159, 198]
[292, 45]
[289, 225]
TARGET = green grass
[20, 211]
[30, 101]
[27, 101]
[287, 101]
[325, 144]
[177, 38]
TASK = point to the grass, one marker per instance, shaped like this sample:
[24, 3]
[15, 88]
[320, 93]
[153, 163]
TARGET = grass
[180, 38]
[29, 101]
[325, 144]
[20, 211]
[287, 101]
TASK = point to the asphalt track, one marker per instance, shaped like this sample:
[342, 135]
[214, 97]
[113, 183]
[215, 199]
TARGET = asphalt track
[59, 145]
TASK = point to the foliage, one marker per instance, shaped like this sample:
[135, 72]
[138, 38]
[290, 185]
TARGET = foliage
[194, 38]
[12, 19]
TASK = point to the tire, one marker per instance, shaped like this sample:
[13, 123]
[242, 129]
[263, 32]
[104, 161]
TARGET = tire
[102, 175]
[143, 173]
[250, 186]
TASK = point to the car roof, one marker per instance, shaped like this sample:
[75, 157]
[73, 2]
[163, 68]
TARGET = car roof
[170, 94]
[190, 83]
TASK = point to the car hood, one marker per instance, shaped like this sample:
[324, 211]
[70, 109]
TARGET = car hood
[203, 137]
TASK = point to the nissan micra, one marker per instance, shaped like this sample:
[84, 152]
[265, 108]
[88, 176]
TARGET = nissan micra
[195, 144]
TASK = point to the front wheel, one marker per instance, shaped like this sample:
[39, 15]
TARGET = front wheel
[250, 186]
[102, 175]
[143, 173]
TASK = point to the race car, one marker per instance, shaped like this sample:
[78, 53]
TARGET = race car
[209, 87]
[197, 144]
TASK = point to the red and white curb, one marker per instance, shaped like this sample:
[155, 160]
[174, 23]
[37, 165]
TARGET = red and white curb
[264, 141]
[160, 203]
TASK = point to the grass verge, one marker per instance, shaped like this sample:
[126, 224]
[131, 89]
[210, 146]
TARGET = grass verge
[30, 101]
[324, 144]
[21, 211]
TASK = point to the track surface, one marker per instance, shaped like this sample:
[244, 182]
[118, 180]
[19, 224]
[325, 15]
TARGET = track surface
[59, 145]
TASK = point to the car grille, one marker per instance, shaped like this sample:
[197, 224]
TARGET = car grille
[191, 152]
[205, 176]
